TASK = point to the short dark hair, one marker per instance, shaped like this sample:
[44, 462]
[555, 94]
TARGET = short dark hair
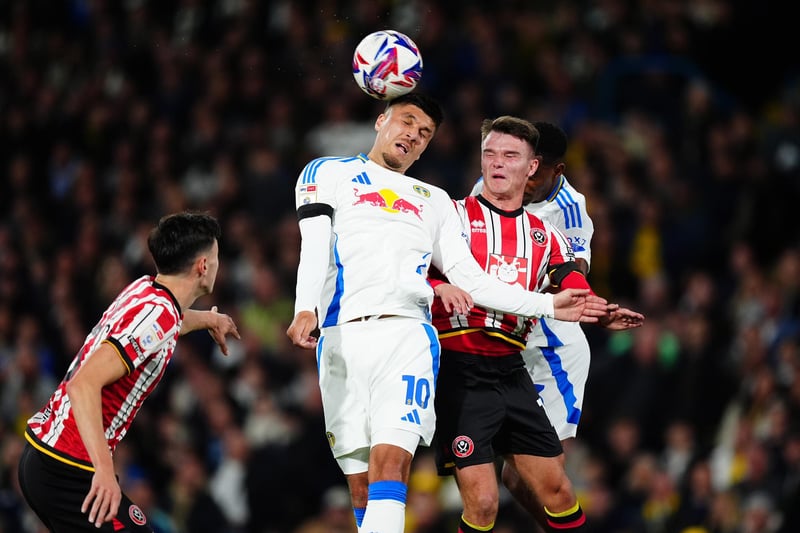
[179, 238]
[514, 126]
[427, 103]
[552, 142]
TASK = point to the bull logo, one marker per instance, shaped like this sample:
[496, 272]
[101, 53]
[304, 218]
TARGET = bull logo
[389, 201]
[369, 198]
[404, 206]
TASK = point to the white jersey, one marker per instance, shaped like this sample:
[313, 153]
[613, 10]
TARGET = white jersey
[385, 236]
[557, 354]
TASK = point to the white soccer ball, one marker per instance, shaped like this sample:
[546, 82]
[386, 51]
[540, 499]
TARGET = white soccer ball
[387, 64]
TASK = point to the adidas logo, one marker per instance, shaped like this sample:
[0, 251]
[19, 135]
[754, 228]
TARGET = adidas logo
[412, 417]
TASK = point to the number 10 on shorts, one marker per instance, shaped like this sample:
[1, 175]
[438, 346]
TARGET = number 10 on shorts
[418, 391]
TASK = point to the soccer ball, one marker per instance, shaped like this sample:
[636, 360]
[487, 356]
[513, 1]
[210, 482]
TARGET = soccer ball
[387, 64]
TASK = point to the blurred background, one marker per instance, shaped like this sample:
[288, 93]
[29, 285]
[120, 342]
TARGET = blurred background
[684, 135]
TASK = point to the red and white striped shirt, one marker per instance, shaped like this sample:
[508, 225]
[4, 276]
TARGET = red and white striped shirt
[142, 324]
[514, 246]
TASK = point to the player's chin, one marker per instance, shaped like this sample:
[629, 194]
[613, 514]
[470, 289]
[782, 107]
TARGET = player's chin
[394, 161]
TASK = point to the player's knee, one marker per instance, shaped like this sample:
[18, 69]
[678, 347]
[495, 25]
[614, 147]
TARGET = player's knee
[484, 505]
[559, 494]
[388, 462]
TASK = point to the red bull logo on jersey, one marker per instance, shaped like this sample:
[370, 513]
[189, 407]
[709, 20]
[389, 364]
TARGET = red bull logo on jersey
[389, 201]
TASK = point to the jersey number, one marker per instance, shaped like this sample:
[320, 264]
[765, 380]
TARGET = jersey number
[417, 391]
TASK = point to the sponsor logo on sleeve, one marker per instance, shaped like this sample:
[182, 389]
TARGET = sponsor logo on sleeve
[151, 336]
[307, 194]
[134, 342]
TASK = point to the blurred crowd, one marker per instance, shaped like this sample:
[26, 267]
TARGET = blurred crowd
[115, 113]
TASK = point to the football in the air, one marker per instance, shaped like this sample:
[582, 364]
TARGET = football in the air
[387, 64]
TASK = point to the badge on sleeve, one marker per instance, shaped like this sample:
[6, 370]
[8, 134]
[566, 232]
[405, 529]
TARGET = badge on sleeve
[307, 194]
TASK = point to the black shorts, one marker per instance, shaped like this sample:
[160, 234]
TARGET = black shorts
[487, 407]
[55, 491]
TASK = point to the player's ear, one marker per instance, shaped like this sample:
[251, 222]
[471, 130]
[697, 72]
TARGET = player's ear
[534, 164]
[379, 121]
[201, 265]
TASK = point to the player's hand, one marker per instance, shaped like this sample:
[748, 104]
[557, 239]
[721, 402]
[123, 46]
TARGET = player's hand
[103, 499]
[222, 325]
[454, 298]
[618, 318]
[573, 305]
[594, 308]
[300, 329]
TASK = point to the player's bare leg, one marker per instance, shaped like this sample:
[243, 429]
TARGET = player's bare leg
[389, 470]
[524, 495]
[480, 496]
[547, 479]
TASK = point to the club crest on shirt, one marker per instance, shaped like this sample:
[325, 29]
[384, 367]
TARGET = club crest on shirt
[419, 189]
[509, 269]
[463, 446]
[539, 237]
[136, 515]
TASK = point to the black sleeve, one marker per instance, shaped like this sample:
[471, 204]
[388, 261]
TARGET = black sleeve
[313, 210]
[557, 273]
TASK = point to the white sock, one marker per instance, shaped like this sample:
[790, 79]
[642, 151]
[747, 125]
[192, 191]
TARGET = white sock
[386, 508]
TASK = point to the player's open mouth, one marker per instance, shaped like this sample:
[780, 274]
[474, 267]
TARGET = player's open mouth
[403, 147]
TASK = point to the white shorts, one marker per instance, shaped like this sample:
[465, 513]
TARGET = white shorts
[377, 377]
[557, 357]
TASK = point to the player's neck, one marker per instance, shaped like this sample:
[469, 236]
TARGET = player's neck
[503, 202]
[380, 160]
[183, 289]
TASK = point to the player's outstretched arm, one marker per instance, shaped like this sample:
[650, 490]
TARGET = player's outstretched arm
[299, 331]
[219, 325]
